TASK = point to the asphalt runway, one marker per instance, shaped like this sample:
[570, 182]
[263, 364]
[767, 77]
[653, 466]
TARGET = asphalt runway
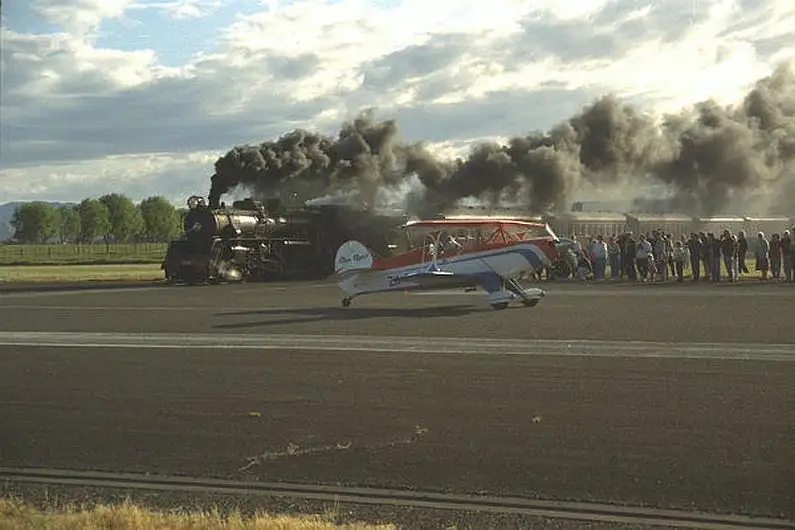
[667, 396]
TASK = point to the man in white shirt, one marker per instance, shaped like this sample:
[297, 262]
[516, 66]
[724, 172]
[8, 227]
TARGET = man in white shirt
[599, 256]
[643, 255]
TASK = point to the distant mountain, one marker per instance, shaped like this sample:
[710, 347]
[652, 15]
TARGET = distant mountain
[7, 212]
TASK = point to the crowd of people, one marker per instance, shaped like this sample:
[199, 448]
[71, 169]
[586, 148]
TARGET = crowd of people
[702, 257]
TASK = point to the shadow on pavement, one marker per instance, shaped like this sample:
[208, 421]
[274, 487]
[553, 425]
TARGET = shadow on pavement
[312, 314]
[77, 286]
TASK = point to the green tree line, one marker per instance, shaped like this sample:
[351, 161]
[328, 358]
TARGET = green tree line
[112, 218]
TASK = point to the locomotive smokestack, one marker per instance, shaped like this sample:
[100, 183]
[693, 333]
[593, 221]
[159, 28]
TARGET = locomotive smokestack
[216, 190]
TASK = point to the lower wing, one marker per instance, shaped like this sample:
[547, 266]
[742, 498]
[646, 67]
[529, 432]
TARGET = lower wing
[489, 281]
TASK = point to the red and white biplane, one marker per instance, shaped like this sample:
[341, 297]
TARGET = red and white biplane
[471, 253]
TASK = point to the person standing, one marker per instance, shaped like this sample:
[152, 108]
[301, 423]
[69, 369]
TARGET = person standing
[599, 256]
[695, 247]
[628, 259]
[679, 261]
[729, 252]
[786, 256]
[706, 254]
[614, 255]
[713, 244]
[643, 256]
[658, 254]
[775, 256]
[742, 253]
[762, 254]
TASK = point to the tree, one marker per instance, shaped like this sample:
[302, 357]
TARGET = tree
[35, 222]
[125, 219]
[94, 220]
[161, 220]
[70, 224]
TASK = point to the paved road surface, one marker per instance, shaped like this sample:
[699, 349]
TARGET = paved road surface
[730, 313]
[684, 426]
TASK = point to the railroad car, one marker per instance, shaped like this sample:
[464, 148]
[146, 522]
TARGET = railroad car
[583, 224]
[671, 223]
[718, 224]
[768, 225]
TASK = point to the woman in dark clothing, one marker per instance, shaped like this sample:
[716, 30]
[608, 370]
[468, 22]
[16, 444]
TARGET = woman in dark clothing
[629, 257]
[695, 246]
[742, 252]
[775, 256]
[786, 255]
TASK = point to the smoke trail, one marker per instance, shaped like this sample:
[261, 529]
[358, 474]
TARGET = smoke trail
[705, 155]
[305, 162]
[720, 152]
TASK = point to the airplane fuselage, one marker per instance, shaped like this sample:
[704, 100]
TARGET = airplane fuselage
[449, 271]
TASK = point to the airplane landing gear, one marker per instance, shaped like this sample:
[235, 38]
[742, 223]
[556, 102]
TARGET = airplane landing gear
[346, 302]
[500, 306]
[515, 287]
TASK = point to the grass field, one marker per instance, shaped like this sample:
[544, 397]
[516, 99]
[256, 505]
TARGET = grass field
[80, 273]
[15, 515]
[94, 253]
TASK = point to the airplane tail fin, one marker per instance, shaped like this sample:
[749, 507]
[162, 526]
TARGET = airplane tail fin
[352, 256]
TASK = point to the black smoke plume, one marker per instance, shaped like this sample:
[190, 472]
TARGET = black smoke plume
[706, 156]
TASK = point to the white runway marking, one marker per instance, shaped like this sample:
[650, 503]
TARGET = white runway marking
[586, 291]
[380, 344]
[151, 308]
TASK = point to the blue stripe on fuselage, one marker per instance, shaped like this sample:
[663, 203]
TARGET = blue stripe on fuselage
[531, 257]
[489, 281]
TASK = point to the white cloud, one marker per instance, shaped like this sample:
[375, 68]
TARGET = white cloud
[140, 175]
[79, 16]
[182, 9]
[449, 70]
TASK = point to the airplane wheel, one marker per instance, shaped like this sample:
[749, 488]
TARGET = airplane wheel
[531, 303]
[500, 306]
[346, 302]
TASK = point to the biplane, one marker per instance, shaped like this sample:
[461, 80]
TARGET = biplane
[486, 253]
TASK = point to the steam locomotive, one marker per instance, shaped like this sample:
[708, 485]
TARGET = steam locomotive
[252, 241]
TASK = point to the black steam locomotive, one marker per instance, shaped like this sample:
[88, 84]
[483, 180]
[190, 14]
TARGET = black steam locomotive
[252, 241]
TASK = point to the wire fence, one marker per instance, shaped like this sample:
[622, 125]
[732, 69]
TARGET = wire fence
[84, 253]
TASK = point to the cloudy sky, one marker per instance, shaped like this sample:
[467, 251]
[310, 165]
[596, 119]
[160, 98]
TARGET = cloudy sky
[142, 96]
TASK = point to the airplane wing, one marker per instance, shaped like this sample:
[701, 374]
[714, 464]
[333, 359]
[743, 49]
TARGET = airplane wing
[489, 281]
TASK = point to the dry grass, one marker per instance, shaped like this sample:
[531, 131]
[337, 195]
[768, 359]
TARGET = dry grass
[16, 515]
[77, 273]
